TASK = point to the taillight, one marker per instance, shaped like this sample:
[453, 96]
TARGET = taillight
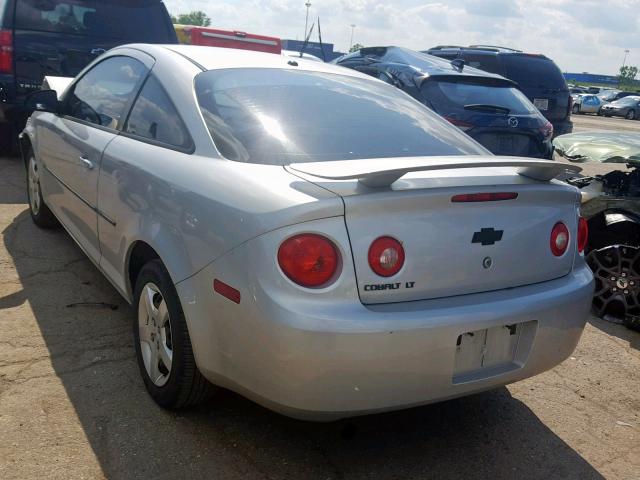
[583, 234]
[484, 197]
[6, 51]
[462, 125]
[559, 239]
[547, 130]
[386, 256]
[308, 259]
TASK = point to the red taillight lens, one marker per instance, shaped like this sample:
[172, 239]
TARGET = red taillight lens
[386, 256]
[547, 130]
[309, 260]
[559, 239]
[583, 234]
[462, 125]
[6, 51]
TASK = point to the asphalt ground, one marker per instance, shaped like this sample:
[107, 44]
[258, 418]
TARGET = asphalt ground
[72, 404]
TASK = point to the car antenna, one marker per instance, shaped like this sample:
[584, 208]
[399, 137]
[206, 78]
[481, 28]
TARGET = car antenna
[324, 59]
[306, 40]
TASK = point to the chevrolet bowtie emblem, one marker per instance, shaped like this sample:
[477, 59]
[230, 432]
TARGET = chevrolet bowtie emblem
[487, 236]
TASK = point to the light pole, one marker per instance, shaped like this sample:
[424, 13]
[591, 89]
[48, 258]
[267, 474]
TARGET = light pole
[306, 20]
[626, 52]
[353, 27]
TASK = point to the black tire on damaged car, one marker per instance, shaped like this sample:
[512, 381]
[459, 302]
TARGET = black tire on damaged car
[616, 270]
[631, 115]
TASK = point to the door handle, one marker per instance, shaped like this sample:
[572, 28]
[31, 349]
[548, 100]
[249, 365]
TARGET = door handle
[88, 164]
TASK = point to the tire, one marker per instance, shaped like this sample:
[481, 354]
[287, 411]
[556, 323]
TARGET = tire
[40, 213]
[631, 115]
[576, 109]
[161, 336]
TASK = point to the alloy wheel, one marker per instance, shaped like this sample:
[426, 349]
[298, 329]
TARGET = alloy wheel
[154, 327]
[616, 270]
[33, 180]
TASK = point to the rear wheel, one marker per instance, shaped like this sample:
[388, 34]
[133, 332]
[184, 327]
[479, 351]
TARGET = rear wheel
[631, 115]
[40, 213]
[163, 347]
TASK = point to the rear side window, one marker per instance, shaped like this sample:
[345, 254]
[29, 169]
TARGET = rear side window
[154, 117]
[532, 71]
[278, 117]
[102, 95]
[454, 98]
[140, 21]
[488, 63]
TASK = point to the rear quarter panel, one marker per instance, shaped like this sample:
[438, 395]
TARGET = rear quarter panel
[191, 208]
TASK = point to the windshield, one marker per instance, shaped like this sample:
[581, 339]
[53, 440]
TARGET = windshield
[140, 21]
[278, 117]
[453, 97]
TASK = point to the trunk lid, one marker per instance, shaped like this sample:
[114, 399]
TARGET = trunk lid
[457, 248]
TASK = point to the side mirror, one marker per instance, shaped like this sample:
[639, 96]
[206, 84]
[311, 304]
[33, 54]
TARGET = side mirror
[42, 101]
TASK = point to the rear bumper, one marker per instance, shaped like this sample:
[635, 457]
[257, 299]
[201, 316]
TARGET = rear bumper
[339, 358]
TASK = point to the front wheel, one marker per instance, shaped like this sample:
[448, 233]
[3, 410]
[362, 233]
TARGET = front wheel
[631, 115]
[40, 213]
[163, 347]
[576, 109]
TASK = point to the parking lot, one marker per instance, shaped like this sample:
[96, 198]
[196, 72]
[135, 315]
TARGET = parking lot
[72, 404]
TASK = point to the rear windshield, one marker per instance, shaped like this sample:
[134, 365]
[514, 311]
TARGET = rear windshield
[532, 71]
[139, 21]
[456, 97]
[278, 117]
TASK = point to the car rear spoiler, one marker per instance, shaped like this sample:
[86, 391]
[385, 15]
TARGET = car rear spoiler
[382, 172]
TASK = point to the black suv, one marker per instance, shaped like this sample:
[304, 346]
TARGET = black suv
[537, 76]
[59, 38]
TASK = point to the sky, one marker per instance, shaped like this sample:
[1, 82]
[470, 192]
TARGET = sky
[579, 35]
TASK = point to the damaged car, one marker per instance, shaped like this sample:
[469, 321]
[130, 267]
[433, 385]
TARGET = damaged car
[610, 203]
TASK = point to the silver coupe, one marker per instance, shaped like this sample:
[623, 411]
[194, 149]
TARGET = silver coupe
[304, 234]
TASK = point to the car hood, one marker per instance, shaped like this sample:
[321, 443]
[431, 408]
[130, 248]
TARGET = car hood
[605, 147]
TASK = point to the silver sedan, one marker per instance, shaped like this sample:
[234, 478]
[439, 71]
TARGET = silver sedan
[304, 234]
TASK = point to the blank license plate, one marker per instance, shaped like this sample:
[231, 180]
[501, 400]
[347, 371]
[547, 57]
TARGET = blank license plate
[541, 103]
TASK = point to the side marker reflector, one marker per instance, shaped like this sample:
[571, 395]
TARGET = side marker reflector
[226, 291]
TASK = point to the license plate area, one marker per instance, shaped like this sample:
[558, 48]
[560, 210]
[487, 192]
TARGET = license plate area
[541, 103]
[492, 351]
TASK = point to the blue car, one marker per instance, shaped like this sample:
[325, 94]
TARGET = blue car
[486, 106]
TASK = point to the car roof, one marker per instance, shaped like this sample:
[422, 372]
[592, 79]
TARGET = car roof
[216, 58]
[428, 64]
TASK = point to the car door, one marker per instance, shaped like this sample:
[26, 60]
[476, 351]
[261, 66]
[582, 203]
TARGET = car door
[136, 197]
[71, 144]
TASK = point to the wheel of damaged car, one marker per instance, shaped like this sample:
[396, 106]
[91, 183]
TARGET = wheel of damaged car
[163, 347]
[40, 213]
[631, 115]
[616, 270]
